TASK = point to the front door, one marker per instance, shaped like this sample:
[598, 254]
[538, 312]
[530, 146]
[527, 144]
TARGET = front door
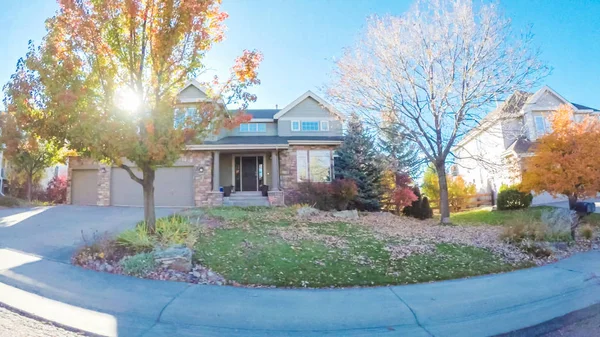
[249, 174]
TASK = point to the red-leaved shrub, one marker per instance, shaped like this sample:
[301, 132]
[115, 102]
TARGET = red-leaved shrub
[324, 196]
[56, 192]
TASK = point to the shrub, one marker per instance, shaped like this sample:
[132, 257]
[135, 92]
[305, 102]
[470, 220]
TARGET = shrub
[524, 230]
[56, 192]
[175, 230]
[98, 247]
[344, 191]
[587, 232]
[426, 211]
[419, 208]
[139, 264]
[512, 198]
[325, 196]
[137, 239]
[7, 201]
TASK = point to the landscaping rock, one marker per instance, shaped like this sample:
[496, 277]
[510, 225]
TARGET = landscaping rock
[177, 257]
[307, 211]
[350, 214]
[559, 246]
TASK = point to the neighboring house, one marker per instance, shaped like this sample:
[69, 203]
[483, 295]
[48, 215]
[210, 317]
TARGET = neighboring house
[492, 154]
[52, 172]
[277, 148]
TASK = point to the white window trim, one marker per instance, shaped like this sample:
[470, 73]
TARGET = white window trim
[307, 161]
[252, 131]
[292, 125]
[324, 123]
[538, 132]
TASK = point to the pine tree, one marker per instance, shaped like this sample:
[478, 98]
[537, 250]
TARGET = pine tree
[357, 160]
[400, 154]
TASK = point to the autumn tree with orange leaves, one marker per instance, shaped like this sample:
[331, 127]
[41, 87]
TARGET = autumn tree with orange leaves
[104, 81]
[565, 161]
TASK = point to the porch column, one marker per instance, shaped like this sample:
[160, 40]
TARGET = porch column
[216, 171]
[274, 171]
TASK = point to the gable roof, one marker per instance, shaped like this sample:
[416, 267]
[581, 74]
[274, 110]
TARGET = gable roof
[195, 84]
[262, 113]
[314, 96]
[512, 107]
[583, 107]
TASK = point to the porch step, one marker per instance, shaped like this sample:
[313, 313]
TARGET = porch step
[246, 200]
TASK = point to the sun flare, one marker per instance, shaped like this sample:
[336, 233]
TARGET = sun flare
[128, 100]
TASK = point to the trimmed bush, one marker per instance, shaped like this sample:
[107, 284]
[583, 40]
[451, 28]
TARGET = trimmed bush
[6, 201]
[587, 232]
[419, 208]
[344, 191]
[139, 264]
[325, 196]
[512, 198]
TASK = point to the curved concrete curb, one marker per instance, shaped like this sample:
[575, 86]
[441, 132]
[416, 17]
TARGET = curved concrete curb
[108, 304]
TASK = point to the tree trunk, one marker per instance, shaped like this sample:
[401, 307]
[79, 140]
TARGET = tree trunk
[444, 202]
[148, 186]
[29, 186]
[572, 201]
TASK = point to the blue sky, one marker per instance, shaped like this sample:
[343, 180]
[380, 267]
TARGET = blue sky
[300, 40]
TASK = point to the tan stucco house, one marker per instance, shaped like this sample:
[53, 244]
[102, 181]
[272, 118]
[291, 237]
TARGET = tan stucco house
[277, 148]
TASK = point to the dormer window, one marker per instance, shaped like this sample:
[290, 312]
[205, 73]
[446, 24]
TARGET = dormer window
[253, 127]
[310, 125]
[542, 125]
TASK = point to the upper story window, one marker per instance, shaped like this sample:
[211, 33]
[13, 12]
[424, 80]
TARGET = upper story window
[542, 125]
[253, 127]
[310, 126]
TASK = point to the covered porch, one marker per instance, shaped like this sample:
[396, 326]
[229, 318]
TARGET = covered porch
[246, 171]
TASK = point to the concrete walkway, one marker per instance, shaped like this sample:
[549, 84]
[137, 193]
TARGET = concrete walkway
[35, 281]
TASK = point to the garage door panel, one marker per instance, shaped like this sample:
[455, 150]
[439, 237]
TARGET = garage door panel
[173, 186]
[84, 187]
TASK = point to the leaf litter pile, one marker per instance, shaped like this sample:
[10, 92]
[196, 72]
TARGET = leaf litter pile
[273, 247]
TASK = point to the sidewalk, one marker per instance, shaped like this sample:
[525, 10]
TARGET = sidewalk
[107, 304]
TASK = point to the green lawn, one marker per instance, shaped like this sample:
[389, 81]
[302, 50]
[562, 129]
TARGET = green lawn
[270, 246]
[503, 218]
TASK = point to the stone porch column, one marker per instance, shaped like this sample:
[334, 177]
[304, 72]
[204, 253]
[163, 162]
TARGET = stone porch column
[216, 171]
[274, 171]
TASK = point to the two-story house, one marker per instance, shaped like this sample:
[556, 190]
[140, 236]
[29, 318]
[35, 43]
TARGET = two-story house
[492, 154]
[277, 148]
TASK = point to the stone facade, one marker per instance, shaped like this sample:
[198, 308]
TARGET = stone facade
[276, 198]
[201, 160]
[288, 168]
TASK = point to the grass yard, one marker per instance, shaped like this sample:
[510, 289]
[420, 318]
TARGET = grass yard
[507, 218]
[274, 247]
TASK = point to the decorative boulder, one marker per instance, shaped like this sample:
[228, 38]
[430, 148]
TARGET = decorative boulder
[177, 257]
[307, 211]
[351, 214]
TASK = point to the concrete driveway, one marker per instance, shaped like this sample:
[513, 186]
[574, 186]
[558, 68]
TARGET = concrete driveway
[55, 232]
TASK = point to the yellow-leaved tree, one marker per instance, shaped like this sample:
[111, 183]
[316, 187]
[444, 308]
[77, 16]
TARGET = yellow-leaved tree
[566, 160]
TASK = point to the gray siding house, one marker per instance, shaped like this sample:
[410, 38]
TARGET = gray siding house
[278, 148]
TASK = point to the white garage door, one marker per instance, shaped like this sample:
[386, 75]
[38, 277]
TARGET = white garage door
[84, 187]
[173, 186]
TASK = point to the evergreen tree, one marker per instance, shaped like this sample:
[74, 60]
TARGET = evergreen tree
[357, 160]
[400, 154]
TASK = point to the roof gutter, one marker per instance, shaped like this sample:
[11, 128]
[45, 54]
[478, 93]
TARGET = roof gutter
[315, 142]
[236, 146]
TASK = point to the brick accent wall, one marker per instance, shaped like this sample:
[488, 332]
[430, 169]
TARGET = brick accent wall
[288, 168]
[104, 173]
[202, 177]
[276, 198]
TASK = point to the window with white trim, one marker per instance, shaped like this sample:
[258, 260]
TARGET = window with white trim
[295, 125]
[310, 126]
[253, 127]
[314, 165]
[542, 125]
[324, 125]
